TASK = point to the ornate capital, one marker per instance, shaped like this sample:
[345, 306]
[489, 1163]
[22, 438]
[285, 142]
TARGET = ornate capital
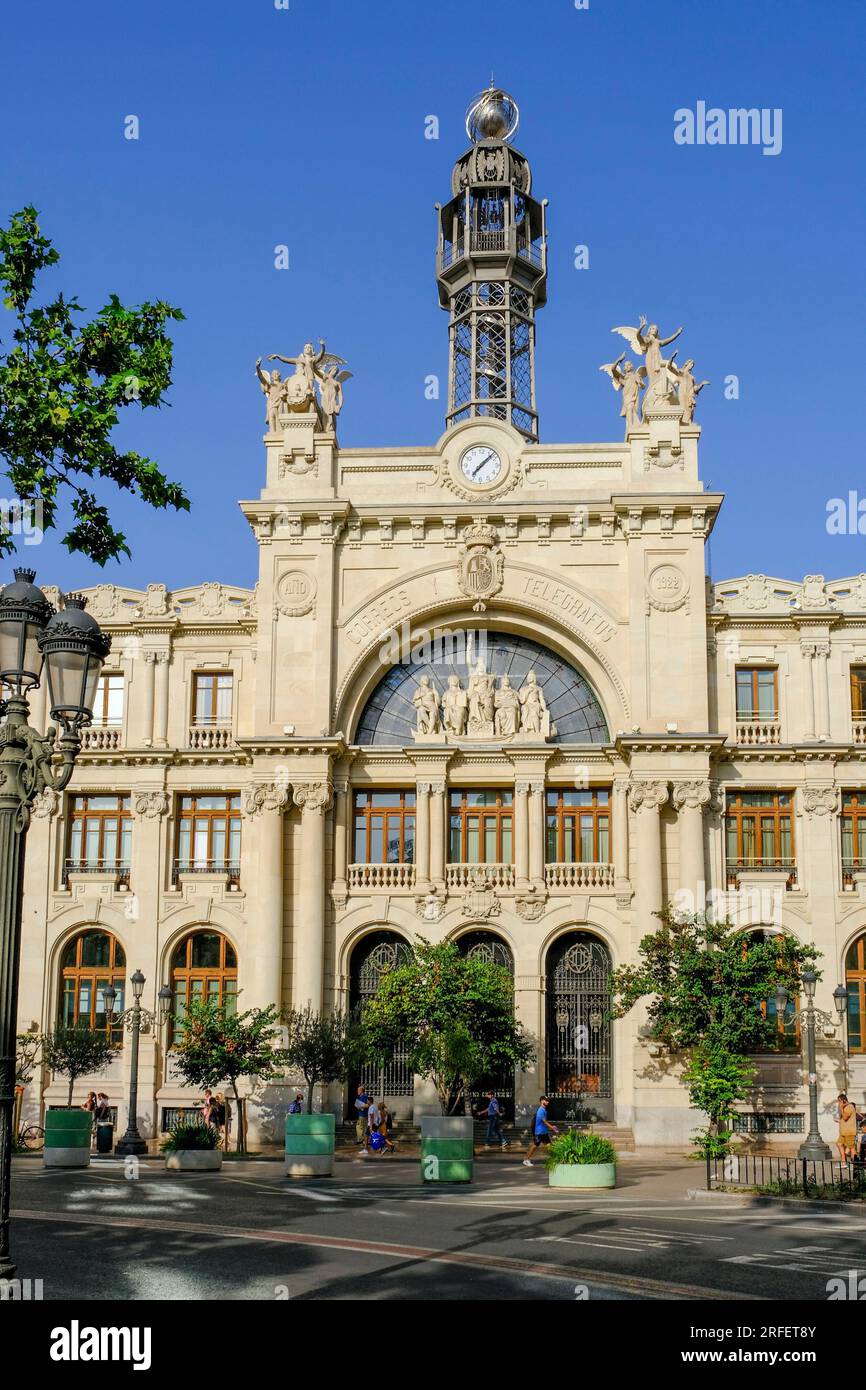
[151, 804]
[648, 796]
[313, 796]
[820, 800]
[265, 796]
[423, 788]
[696, 795]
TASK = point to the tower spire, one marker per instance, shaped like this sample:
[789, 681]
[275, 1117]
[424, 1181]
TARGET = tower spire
[491, 268]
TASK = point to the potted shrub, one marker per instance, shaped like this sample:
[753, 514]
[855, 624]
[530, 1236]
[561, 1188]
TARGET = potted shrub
[192, 1148]
[578, 1159]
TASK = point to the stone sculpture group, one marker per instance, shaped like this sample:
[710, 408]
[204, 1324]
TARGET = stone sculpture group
[483, 709]
[297, 393]
[668, 385]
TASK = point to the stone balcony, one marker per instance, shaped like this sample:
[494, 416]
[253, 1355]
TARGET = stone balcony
[102, 738]
[374, 877]
[598, 877]
[858, 731]
[210, 737]
[467, 875]
[755, 731]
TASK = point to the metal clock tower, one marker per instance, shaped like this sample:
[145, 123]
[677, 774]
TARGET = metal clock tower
[491, 267]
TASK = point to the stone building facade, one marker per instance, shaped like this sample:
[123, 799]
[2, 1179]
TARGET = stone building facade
[266, 805]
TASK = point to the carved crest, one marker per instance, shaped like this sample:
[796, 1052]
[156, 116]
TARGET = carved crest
[480, 565]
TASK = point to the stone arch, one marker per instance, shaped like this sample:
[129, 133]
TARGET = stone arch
[470, 939]
[369, 954]
[88, 974]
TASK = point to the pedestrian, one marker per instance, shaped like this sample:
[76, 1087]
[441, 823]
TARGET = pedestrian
[103, 1109]
[207, 1106]
[847, 1116]
[296, 1107]
[542, 1129]
[493, 1112]
[90, 1103]
[222, 1118]
[380, 1132]
[387, 1124]
[362, 1105]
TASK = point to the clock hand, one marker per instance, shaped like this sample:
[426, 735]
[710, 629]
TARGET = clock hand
[487, 457]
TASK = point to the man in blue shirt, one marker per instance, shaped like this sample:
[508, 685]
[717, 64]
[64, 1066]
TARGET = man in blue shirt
[295, 1107]
[494, 1122]
[362, 1105]
[542, 1129]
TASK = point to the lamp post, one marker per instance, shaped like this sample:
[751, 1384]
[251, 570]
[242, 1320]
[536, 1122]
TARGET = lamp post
[813, 1146]
[69, 647]
[132, 1142]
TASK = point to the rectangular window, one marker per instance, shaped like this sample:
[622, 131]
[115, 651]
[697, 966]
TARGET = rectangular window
[108, 705]
[858, 692]
[759, 830]
[212, 697]
[384, 827]
[480, 829]
[578, 827]
[853, 824]
[100, 835]
[757, 693]
[209, 834]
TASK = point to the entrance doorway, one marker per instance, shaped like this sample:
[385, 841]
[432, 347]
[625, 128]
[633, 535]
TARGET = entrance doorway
[578, 1029]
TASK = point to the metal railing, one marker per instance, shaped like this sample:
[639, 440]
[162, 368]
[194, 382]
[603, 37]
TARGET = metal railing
[583, 875]
[206, 866]
[110, 868]
[795, 1177]
[735, 867]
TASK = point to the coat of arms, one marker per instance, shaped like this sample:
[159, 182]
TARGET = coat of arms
[480, 565]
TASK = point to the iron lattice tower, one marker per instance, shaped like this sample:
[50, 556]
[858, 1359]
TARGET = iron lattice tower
[491, 268]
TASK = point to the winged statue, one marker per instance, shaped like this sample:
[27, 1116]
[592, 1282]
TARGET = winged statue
[625, 377]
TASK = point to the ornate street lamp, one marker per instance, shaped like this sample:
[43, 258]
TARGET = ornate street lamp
[813, 1146]
[72, 651]
[132, 1142]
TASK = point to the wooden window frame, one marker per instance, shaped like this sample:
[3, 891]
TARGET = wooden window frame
[738, 809]
[211, 720]
[79, 813]
[188, 810]
[853, 810]
[753, 715]
[100, 716]
[398, 814]
[188, 975]
[97, 976]
[560, 813]
[855, 983]
[858, 691]
[499, 812]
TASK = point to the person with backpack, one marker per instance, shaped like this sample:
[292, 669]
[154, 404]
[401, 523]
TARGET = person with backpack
[493, 1112]
[296, 1107]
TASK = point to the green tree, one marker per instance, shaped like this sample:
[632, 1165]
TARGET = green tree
[706, 984]
[319, 1046]
[454, 1016]
[215, 1046]
[27, 1049]
[75, 1052]
[64, 382]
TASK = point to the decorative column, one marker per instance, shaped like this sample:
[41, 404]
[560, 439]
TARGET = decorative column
[265, 803]
[340, 889]
[647, 799]
[690, 798]
[822, 691]
[422, 837]
[536, 835]
[147, 699]
[314, 800]
[160, 718]
[521, 836]
[808, 651]
[619, 835]
[437, 835]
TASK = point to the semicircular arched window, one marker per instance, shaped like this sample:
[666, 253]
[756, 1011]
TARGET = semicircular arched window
[389, 716]
[204, 966]
[90, 962]
[855, 983]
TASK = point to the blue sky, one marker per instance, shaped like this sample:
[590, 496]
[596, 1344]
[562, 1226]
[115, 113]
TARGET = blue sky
[305, 126]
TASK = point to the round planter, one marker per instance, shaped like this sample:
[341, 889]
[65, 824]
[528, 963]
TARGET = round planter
[67, 1139]
[194, 1160]
[310, 1146]
[582, 1175]
[447, 1148]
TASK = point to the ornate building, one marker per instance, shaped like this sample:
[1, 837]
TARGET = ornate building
[481, 690]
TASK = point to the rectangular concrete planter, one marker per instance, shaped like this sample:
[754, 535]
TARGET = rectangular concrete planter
[310, 1146]
[67, 1138]
[582, 1175]
[194, 1160]
[446, 1148]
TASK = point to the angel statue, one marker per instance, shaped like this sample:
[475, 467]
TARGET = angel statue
[689, 389]
[331, 391]
[274, 390]
[645, 341]
[630, 381]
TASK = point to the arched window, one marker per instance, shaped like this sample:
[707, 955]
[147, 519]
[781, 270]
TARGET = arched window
[787, 1032]
[91, 961]
[579, 1034]
[373, 956]
[855, 980]
[204, 966]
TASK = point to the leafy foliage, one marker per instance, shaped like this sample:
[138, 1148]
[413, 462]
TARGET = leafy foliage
[63, 385]
[27, 1049]
[216, 1046]
[319, 1046]
[577, 1146]
[75, 1052]
[453, 1014]
[190, 1135]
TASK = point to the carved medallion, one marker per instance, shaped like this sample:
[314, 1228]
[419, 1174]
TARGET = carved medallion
[667, 588]
[296, 593]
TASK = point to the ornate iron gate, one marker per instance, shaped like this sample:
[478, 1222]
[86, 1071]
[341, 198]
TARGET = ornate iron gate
[579, 1052]
[484, 945]
[374, 955]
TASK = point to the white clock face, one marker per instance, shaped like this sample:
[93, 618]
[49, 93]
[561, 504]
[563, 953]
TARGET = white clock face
[481, 464]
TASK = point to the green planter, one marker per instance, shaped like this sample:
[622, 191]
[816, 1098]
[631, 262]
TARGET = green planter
[446, 1148]
[583, 1175]
[67, 1139]
[309, 1146]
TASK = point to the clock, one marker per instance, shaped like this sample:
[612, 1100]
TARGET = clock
[481, 464]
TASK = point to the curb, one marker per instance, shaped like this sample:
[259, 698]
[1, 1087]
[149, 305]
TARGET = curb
[762, 1199]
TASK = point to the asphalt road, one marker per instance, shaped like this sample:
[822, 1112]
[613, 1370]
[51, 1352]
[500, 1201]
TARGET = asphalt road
[375, 1232]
